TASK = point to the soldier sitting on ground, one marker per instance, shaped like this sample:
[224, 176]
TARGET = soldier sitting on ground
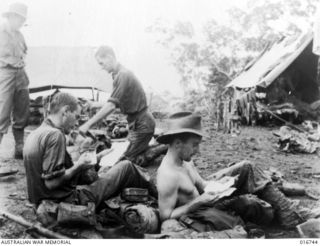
[52, 175]
[181, 189]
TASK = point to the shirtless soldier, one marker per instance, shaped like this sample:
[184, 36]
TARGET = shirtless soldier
[181, 189]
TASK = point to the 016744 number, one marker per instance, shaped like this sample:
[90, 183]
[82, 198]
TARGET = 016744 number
[309, 241]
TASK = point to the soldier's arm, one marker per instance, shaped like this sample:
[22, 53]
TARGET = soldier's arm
[59, 180]
[106, 110]
[168, 198]
[55, 173]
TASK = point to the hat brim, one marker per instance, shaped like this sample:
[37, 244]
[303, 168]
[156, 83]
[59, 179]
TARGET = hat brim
[5, 14]
[163, 138]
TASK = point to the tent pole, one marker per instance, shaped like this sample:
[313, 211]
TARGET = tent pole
[92, 89]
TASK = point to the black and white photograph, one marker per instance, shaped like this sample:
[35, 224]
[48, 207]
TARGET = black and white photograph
[157, 120]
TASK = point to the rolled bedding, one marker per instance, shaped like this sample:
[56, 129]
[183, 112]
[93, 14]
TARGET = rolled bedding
[142, 218]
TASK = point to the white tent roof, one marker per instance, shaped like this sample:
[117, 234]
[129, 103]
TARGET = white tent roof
[272, 62]
[65, 66]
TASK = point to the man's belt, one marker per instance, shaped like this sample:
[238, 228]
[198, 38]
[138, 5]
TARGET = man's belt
[133, 116]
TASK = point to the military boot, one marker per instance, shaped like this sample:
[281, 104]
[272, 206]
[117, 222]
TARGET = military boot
[287, 211]
[18, 137]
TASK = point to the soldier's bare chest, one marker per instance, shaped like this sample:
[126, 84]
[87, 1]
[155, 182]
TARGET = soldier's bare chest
[186, 182]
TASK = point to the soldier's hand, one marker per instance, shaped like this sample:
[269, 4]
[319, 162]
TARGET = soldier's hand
[84, 159]
[206, 198]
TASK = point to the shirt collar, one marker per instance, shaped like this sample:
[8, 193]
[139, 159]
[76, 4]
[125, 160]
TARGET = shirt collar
[49, 122]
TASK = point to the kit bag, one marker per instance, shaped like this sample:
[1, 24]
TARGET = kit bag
[70, 214]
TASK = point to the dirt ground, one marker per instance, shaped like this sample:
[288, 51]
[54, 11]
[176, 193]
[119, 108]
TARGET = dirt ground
[217, 151]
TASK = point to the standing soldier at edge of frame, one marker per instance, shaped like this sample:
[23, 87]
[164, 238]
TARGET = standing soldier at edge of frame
[14, 91]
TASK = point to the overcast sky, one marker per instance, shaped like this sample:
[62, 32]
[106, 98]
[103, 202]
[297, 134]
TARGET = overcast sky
[121, 24]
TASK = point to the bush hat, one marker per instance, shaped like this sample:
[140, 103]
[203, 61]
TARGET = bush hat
[181, 122]
[17, 8]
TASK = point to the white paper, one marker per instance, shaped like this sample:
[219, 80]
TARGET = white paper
[111, 158]
[222, 187]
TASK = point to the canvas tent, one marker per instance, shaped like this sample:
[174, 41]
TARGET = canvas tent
[288, 53]
[68, 67]
[285, 74]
